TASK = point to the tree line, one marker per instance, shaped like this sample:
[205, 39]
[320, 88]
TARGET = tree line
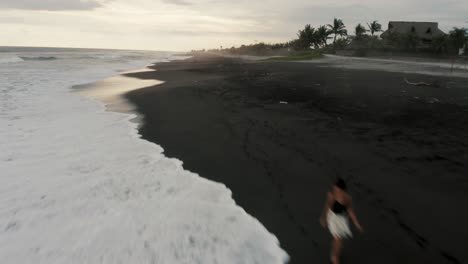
[334, 36]
[365, 37]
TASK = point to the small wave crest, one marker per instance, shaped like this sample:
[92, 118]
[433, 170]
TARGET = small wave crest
[9, 59]
[40, 58]
[102, 56]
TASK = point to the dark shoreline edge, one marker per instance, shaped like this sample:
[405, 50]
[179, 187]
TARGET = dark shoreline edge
[222, 117]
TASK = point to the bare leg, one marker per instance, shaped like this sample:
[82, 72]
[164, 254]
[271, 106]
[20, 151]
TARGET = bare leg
[337, 245]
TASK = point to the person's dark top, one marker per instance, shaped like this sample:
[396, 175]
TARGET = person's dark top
[338, 208]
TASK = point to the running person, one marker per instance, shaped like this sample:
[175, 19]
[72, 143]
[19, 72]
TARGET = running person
[335, 216]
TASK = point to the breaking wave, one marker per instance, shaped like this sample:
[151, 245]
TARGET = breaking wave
[10, 59]
[39, 58]
[79, 185]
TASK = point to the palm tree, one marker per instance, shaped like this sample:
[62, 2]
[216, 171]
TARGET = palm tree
[459, 37]
[360, 31]
[374, 27]
[338, 29]
[322, 35]
[307, 37]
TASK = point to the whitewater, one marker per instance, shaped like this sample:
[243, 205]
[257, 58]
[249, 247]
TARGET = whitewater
[79, 185]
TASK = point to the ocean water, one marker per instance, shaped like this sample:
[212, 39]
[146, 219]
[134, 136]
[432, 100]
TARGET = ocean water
[78, 184]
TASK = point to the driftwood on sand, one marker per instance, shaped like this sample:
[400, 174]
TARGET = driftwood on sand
[418, 83]
[435, 83]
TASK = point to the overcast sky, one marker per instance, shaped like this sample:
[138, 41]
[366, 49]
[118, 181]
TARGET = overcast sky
[194, 24]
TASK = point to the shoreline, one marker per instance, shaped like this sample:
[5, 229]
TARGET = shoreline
[110, 93]
[80, 185]
[111, 90]
[222, 117]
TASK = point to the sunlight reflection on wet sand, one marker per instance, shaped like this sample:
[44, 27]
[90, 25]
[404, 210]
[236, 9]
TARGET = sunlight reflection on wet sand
[111, 90]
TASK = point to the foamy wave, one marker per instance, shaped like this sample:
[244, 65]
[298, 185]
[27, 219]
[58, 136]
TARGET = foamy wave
[78, 185]
[40, 58]
[8, 58]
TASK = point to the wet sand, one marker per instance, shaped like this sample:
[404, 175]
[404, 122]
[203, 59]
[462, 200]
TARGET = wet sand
[402, 148]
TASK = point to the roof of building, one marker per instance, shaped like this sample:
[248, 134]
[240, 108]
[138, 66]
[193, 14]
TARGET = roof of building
[424, 30]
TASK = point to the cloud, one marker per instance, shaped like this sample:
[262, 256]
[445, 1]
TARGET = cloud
[50, 5]
[178, 2]
[195, 24]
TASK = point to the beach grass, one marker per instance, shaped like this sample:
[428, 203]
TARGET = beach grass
[309, 55]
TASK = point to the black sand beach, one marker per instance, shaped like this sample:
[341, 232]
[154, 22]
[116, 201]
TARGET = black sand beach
[402, 148]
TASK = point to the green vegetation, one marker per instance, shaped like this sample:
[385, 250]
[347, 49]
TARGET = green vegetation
[337, 29]
[459, 37]
[374, 27]
[360, 31]
[312, 42]
[310, 37]
[309, 55]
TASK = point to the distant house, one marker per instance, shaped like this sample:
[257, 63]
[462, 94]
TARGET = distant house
[425, 31]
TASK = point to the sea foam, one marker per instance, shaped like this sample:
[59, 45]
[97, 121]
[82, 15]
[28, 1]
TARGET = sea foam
[78, 185]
